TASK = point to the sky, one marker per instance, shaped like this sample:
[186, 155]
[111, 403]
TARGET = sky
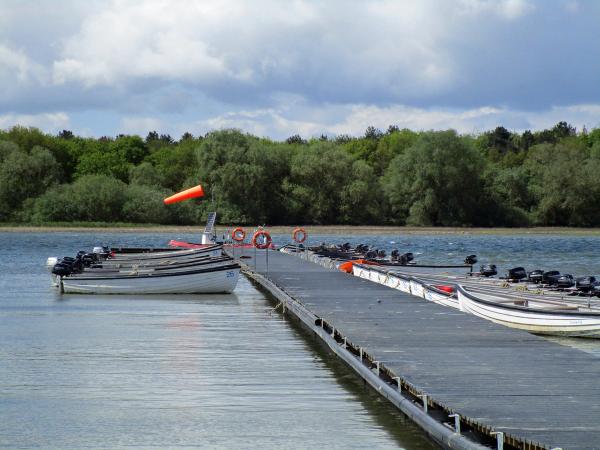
[279, 68]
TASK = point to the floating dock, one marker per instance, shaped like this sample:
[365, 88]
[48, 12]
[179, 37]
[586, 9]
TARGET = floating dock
[469, 383]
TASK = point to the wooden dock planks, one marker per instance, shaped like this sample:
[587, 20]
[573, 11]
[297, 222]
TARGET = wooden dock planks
[526, 386]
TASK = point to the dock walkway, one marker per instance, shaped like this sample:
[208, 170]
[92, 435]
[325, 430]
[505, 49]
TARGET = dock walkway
[539, 394]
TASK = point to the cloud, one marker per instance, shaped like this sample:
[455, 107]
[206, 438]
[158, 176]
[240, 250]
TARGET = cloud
[335, 51]
[17, 68]
[282, 122]
[49, 122]
[271, 67]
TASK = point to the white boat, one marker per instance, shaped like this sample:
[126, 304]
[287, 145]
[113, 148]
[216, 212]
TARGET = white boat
[538, 315]
[195, 280]
[146, 255]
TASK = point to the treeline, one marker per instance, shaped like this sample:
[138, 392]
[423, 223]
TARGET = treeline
[498, 178]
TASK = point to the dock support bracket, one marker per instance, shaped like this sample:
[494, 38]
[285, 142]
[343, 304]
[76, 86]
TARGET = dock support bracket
[399, 383]
[377, 367]
[456, 422]
[424, 397]
[499, 439]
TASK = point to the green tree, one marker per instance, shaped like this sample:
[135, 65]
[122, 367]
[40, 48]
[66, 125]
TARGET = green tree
[437, 181]
[25, 175]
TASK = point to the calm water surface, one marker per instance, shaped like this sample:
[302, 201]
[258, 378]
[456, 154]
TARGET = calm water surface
[203, 371]
[168, 371]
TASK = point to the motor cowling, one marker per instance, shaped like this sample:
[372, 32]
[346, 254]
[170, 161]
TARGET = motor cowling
[517, 273]
[488, 270]
[565, 281]
[585, 284]
[471, 259]
[62, 269]
[381, 253]
[406, 258]
[550, 277]
[535, 276]
[395, 254]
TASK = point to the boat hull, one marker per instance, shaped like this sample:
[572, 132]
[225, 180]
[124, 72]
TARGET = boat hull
[550, 322]
[205, 281]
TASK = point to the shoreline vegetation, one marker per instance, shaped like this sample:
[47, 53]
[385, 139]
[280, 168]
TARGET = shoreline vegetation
[95, 227]
[400, 177]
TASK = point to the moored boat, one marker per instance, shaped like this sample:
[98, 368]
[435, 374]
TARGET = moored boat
[221, 278]
[538, 315]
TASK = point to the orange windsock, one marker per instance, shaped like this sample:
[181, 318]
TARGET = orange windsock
[194, 192]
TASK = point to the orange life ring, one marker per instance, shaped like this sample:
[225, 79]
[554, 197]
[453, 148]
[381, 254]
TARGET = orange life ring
[298, 231]
[238, 234]
[267, 239]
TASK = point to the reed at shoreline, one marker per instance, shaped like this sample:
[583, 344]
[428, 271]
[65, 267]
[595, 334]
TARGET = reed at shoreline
[95, 227]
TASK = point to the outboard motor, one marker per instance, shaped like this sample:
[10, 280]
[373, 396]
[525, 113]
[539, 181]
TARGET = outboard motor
[596, 288]
[371, 254]
[405, 258]
[517, 273]
[346, 247]
[550, 277]
[381, 253]
[471, 259]
[585, 284]
[61, 269]
[488, 270]
[535, 276]
[565, 281]
[394, 255]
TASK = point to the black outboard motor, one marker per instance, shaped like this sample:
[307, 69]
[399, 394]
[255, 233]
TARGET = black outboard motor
[585, 284]
[371, 254]
[595, 288]
[346, 247]
[535, 276]
[550, 277]
[517, 273]
[471, 259]
[565, 281]
[394, 255]
[381, 253]
[62, 269]
[405, 258]
[488, 270]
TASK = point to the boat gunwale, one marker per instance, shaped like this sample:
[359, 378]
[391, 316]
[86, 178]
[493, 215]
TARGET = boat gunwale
[151, 275]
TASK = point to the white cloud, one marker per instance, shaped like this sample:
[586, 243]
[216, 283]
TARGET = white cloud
[282, 122]
[508, 9]
[16, 67]
[141, 125]
[49, 122]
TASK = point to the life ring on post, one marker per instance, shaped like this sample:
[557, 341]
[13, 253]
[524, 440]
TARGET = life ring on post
[299, 231]
[266, 239]
[238, 234]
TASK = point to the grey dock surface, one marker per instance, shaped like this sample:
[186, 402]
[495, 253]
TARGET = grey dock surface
[538, 393]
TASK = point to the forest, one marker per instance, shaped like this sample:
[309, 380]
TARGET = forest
[394, 177]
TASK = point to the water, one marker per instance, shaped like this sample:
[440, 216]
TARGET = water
[203, 371]
[168, 371]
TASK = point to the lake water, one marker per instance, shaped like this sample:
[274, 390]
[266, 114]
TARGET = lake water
[203, 371]
[215, 371]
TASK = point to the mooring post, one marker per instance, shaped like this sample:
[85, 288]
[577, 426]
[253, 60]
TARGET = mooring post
[344, 344]
[456, 422]
[399, 383]
[377, 367]
[499, 439]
